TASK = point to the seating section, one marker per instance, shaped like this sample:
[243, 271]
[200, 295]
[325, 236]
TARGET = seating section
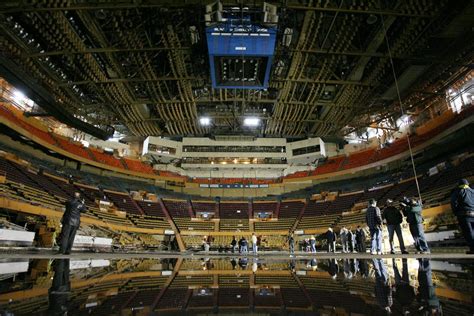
[234, 225]
[151, 208]
[234, 210]
[177, 208]
[203, 206]
[187, 224]
[124, 202]
[271, 225]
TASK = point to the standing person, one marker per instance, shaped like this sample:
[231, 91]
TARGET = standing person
[344, 239]
[244, 245]
[374, 221]
[360, 239]
[71, 220]
[351, 240]
[412, 210]
[254, 244]
[233, 243]
[312, 243]
[331, 240]
[394, 217]
[291, 243]
[462, 204]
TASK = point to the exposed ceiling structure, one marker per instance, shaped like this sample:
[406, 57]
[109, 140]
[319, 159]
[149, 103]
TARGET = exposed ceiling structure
[142, 66]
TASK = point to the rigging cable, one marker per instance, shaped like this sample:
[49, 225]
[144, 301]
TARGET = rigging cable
[401, 109]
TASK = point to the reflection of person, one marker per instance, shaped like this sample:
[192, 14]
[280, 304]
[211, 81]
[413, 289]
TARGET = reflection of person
[71, 220]
[360, 239]
[426, 290]
[462, 204]
[60, 288]
[394, 218]
[383, 291]
[363, 268]
[404, 292]
[374, 221]
[333, 269]
[412, 210]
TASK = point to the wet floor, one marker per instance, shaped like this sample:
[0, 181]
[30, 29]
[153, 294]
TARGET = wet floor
[236, 285]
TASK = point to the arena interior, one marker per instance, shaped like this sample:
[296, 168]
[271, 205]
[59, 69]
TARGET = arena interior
[185, 133]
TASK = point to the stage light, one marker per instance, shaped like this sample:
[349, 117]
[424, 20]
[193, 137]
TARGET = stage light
[252, 121]
[205, 121]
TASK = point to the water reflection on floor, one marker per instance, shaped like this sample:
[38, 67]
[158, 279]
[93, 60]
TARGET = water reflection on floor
[236, 285]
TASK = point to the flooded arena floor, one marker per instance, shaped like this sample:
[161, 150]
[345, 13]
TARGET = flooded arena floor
[42, 283]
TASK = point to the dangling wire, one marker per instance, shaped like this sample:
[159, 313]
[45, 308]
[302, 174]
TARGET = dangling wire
[401, 108]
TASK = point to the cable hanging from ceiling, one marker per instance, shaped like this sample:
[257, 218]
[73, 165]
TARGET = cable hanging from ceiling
[402, 110]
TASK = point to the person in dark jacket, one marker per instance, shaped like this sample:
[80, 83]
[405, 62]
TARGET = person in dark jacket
[331, 240]
[360, 239]
[71, 220]
[462, 204]
[374, 221]
[412, 210]
[233, 243]
[291, 243]
[394, 217]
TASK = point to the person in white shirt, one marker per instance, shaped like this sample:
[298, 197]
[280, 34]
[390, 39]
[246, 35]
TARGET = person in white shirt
[254, 243]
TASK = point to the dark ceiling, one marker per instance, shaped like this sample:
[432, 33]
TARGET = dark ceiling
[132, 64]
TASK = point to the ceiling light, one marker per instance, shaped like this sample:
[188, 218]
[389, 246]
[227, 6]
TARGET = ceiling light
[19, 96]
[205, 121]
[251, 121]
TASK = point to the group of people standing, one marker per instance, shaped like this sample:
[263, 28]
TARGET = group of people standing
[393, 217]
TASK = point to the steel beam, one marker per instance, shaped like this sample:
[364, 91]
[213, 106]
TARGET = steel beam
[103, 50]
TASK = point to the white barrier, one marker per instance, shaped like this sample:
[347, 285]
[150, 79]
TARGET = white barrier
[16, 236]
[93, 242]
[10, 267]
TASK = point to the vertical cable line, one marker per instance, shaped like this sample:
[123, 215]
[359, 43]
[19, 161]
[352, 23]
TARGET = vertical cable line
[401, 108]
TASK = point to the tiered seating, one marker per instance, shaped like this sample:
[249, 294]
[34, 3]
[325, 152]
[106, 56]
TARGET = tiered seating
[143, 298]
[332, 165]
[192, 241]
[316, 216]
[199, 301]
[233, 297]
[352, 219]
[151, 222]
[343, 203]
[289, 211]
[177, 208]
[358, 159]
[138, 166]
[151, 208]
[123, 202]
[105, 158]
[188, 224]
[234, 210]
[279, 224]
[173, 298]
[73, 148]
[203, 206]
[234, 225]
[233, 281]
[294, 297]
[265, 207]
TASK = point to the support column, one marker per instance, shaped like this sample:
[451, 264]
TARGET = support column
[181, 245]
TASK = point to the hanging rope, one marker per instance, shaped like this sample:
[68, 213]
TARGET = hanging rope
[401, 108]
